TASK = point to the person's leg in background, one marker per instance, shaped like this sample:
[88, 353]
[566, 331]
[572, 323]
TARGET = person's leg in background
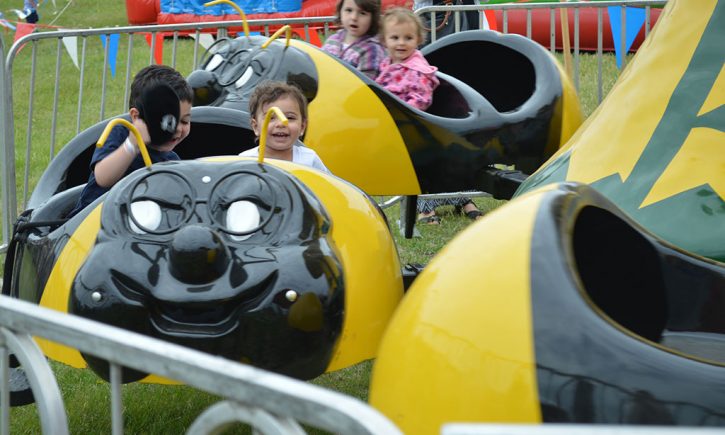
[427, 211]
[467, 207]
[472, 17]
[463, 205]
[30, 10]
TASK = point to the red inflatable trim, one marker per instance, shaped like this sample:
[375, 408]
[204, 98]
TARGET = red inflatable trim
[142, 11]
[148, 12]
[541, 19]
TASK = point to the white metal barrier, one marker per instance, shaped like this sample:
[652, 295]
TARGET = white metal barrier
[554, 8]
[569, 429]
[271, 403]
[86, 78]
[95, 95]
[7, 159]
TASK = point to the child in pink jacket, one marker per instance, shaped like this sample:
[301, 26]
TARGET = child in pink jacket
[405, 72]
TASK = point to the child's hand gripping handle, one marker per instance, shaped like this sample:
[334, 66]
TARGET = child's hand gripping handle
[132, 128]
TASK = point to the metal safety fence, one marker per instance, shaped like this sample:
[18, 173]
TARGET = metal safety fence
[43, 112]
[556, 11]
[268, 402]
[49, 98]
[99, 88]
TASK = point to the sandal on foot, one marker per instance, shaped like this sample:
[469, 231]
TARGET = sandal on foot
[474, 214]
[430, 220]
[460, 209]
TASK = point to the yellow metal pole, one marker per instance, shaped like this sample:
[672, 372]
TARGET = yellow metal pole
[239, 10]
[286, 28]
[132, 129]
[274, 110]
[564, 15]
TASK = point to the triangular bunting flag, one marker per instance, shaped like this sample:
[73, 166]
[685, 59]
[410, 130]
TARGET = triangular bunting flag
[71, 46]
[21, 15]
[7, 24]
[22, 30]
[205, 39]
[635, 19]
[489, 20]
[159, 49]
[112, 50]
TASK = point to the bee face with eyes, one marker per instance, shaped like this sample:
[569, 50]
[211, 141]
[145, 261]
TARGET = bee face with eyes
[239, 204]
[230, 258]
[232, 69]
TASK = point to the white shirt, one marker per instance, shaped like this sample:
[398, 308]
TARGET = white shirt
[300, 154]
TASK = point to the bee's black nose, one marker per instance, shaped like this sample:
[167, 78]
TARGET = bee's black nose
[206, 87]
[198, 255]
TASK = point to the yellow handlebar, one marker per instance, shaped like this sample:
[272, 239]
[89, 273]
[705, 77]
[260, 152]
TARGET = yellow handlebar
[239, 10]
[132, 128]
[274, 110]
[286, 28]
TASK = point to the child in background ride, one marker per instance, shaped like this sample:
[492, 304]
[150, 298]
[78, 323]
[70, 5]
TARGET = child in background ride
[405, 72]
[120, 154]
[357, 42]
[283, 142]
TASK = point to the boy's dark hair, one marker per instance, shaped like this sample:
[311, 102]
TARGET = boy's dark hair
[155, 74]
[400, 14]
[269, 91]
[371, 6]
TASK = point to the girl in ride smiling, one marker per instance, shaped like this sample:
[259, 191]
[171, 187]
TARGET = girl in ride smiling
[357, 42]
[405, 72]
[407, 75]
[283, 141]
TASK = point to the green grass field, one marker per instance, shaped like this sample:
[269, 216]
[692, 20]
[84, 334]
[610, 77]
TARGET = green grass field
[156, 409]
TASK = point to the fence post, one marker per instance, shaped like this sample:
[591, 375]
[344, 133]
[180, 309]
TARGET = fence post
[7, 145]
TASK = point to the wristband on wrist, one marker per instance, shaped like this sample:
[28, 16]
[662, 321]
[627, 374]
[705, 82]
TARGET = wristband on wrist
[130, 148]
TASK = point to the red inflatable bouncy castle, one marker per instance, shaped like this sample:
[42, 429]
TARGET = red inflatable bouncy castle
[167, 12]
[142, 11]
[151, 12]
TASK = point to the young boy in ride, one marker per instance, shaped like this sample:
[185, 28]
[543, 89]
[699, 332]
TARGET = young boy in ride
[283, 141]
[405, 72]
[154, 87]
[357, 42]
